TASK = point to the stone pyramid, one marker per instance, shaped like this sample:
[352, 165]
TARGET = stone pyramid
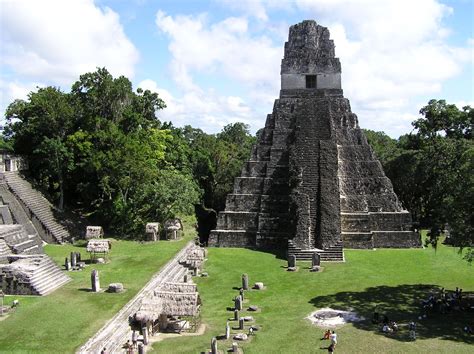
[312, 182]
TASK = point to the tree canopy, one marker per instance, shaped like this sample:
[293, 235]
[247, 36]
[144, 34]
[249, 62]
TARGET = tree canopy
[101, 149]
[432, 170]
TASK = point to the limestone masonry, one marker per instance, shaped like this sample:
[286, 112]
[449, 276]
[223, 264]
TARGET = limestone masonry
[312, 182]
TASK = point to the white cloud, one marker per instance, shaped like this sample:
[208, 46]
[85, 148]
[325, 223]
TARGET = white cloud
[204, 109]
[56, 41]
[227, 51]
[12, 90]
[225, 48]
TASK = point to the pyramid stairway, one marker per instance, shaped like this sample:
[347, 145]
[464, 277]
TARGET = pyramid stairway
[331, 254]
[39, 208]
[32, 275]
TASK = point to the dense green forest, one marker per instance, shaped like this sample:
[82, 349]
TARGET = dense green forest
[101, 150]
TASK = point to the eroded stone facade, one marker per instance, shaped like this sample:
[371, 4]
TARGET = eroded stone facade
[312, 181]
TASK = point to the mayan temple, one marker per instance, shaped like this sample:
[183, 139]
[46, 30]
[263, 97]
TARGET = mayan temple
[312, 182]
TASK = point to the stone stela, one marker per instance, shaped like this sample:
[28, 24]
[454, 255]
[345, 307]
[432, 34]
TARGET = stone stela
[312, 182]
[95, 284]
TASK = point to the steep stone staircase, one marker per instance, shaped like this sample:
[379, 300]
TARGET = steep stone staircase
[331, 254]
[38, 275]
[39, 208]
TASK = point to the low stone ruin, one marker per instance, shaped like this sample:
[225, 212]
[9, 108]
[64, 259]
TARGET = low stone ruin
[193, 259]
[115, 288]
[173, 305]
[173, 229]
[169, 309]
[152, 231]
[98, 249]
[94, 232]
[115, 332]
[24, 268]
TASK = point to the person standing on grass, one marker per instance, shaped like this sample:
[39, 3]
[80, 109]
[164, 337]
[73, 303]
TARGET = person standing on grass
[333, 338]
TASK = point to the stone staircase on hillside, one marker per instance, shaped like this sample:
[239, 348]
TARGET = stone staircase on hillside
[331, 254]
[31, 275]
[38, 207]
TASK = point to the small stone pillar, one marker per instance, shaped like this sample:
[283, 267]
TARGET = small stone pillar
[241, 323]
[291, 262]
[214, 345]
[241, 292]
[227, 331]
[236, 315]
[145, 334]
[315, 262]
[67, 265]
[95, 283]
[245, 281]
[73, 259]
[185, 278]
[238, 303]
[235, 347]
[141, 350]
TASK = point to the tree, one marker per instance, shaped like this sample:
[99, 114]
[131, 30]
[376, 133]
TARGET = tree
[431, 170]
[38, 129]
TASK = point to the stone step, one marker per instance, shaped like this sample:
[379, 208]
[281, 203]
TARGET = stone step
[51, 286]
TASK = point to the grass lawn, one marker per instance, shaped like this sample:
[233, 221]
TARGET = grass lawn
[64, 320]
[395, 280]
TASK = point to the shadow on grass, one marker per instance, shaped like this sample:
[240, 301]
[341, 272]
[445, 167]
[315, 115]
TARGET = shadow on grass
[279, 253]
[401, 304]
[86, 290]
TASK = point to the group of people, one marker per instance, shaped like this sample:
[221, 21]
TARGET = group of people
[389, 326]
[445, 301]
[332, 336]
[131, 347]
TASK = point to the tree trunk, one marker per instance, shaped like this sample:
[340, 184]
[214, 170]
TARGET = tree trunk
[61, 194]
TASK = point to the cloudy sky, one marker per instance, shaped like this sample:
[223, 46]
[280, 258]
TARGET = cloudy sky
[218, 61]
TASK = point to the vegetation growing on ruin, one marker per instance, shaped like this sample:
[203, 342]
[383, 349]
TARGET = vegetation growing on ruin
[65, 319]
[395, 280]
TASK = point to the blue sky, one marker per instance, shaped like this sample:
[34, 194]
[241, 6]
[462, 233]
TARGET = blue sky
[217, 62]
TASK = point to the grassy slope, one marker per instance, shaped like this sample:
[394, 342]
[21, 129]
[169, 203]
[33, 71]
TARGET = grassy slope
[65, 319]
[394, 279]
